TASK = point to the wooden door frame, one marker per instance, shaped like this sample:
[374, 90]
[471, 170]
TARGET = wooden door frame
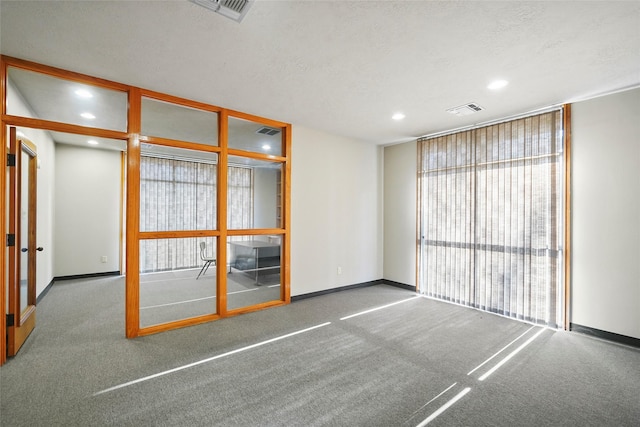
[3, 213]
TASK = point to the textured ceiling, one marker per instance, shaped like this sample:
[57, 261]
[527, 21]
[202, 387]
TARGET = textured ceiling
[343, 66]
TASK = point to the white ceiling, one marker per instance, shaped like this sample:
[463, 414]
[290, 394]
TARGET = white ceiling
[343, 66]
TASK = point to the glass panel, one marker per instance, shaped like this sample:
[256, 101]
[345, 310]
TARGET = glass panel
[250, 136]
[177, 189]
[82, 104]
[24, 231]
[177, 279]
[254, 270]
[89, 141]
[173, 121]
[253, 193]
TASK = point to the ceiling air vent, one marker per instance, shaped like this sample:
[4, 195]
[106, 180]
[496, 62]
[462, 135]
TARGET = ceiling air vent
[233, 9]
[466, 109]
[268, 131]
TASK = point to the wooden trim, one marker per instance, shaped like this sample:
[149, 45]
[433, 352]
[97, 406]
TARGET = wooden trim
[567, 215]
[3, 213]
[221, 281]
[169, 326]
[166, 142]
[32, 201]
[257, 119]
[132, 278]
[123, 205]
[63, 127]
[27, 324]
[285, 289]
[418, 213]
[63, 74]
[255, 155]
[256, 307]
[183, 102]
[178, 234]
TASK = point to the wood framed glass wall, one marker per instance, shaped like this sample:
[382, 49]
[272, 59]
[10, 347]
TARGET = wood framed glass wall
[207, 149]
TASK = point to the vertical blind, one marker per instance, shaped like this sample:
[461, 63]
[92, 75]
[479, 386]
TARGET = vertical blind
[239, 198]
[491, 209]
[181, 195]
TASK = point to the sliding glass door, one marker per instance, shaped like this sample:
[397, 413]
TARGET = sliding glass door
[492, 218]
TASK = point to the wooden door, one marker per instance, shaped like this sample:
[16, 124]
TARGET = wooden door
[21, 313]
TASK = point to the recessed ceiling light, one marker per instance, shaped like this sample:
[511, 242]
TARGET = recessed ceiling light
[497, 84]
[88, 116]
[266, 147]
[398, 116]
[20, 134]
[92, 142]
[83, 93]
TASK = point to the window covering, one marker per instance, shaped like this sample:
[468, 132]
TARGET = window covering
[491, 218]
[181, 195]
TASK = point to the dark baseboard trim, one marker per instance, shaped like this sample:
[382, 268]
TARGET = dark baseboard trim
[610, 336]
[398, 285]
[348, 287]
[87, 276]
[45, 291]
[332, 290]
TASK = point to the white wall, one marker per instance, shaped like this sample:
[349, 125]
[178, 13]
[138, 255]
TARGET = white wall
[400, 169]
[606, 213]
[45, 190]
[336, 221]
[87, 210]
[264, 199]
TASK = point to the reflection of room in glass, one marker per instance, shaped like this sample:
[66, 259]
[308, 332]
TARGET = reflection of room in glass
[253, 194]
[171, 286]
[177, 194]
[254, 270]
[254, 137]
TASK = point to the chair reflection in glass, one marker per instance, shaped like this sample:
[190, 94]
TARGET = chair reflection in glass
[208, 260]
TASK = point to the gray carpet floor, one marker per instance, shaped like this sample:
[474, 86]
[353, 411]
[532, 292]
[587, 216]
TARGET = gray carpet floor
[180, 294]
[322, 361]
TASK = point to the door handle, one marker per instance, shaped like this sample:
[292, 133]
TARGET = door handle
[39, 249]
[24, 249]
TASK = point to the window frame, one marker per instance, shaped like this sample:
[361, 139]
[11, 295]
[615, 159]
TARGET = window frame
[131, 184]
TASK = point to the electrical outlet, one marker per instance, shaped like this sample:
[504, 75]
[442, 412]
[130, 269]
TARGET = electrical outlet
[103, 258]
[339, 270]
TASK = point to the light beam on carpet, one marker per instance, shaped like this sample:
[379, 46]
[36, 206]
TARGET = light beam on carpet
[444, 407]
[510, 355]
[379, 308]
[210, 359]
[499, 351]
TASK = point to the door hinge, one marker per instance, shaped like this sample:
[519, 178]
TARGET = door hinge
[11, 159]
[11, 239]
[10, 320]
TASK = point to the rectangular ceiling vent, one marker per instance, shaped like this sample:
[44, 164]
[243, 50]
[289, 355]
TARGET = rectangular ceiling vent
[466, 109]
[233, 9]
[268, 131]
